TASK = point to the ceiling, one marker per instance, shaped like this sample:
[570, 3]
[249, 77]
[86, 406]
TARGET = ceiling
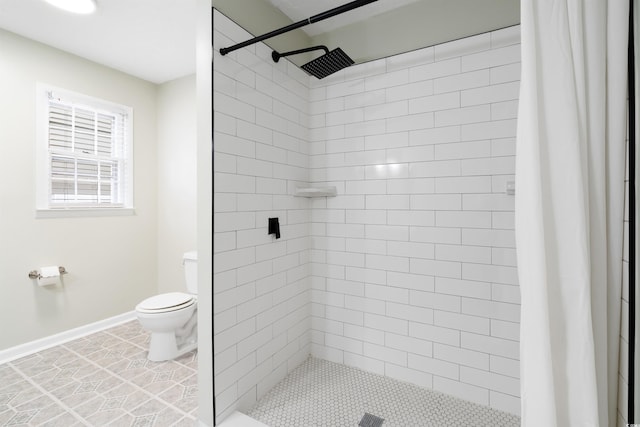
[298, 10]
[375, 30]
[150, 39]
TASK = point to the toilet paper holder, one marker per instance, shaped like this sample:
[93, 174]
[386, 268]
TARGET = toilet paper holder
[34, 274]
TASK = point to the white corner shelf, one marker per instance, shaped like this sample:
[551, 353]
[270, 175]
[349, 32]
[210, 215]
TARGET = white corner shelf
[316, 192]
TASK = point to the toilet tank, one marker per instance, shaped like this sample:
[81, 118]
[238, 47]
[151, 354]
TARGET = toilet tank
[190, 262]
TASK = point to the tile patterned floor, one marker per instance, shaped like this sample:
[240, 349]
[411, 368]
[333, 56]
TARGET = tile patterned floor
[321, 393]
[102, 379]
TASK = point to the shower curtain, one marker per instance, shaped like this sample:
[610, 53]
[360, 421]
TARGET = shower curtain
[569, 209]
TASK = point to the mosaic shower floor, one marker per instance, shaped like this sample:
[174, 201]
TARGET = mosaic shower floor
[321, 393]
[103, 379]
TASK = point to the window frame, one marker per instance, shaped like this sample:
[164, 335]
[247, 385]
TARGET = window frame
[44, 206]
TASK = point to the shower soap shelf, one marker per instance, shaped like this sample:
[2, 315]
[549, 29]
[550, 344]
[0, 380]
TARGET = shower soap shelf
[316, 192]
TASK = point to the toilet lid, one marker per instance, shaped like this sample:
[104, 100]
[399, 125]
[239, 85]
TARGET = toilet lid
[164, 302]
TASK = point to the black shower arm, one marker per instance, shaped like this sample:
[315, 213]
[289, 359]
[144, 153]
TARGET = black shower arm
[276, 56]
[319, 17]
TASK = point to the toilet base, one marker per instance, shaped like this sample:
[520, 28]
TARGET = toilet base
[164, 346]
[173, 333]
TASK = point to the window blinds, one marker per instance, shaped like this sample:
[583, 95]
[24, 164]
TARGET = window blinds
[87, 155]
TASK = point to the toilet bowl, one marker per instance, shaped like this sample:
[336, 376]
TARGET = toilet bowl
[172, 317]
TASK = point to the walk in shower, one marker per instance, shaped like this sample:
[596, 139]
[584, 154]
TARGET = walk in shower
[390, 182]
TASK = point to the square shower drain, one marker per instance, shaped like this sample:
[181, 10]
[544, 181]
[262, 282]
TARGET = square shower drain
[370, 421]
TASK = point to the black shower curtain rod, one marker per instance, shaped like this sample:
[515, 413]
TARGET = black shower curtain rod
[631, 83]
[315, 18]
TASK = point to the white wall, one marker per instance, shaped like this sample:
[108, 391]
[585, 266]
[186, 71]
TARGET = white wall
[261, 287]
[177, 181]
[111, 260]
[413, 262]
[204, 161]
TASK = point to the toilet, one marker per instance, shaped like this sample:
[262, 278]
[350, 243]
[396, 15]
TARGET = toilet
[171, 317]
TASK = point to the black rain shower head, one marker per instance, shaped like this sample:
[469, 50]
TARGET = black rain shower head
[322, 66]
[328, 63]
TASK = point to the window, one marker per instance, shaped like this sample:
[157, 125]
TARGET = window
[85, 146]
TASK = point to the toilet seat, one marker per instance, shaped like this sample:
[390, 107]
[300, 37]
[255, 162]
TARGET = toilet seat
[163, 303]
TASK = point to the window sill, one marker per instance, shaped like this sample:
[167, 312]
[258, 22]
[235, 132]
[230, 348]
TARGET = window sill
[83, 213]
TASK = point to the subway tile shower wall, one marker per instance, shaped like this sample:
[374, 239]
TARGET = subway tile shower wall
[410, 271]
[262, 286]
[413, 263]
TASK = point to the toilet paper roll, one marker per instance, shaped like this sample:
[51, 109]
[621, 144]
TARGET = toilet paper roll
[49, 276]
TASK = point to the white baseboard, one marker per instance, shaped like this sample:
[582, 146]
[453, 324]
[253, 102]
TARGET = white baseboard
[51, 341]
